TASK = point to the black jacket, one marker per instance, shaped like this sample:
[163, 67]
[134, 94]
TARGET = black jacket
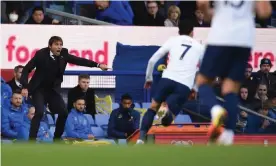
[89, 96]
[268, 78]
[13, 85]
[41, 62]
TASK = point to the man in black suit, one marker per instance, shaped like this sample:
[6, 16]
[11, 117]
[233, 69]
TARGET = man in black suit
[83, 90]
[45, 85]
[15, 82]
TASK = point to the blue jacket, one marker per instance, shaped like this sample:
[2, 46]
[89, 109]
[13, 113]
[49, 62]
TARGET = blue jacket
[11, 121]
[122, 122]
[118, 12]
[43, 135]
[254, 124]
[6, 91]
[6, 103]
[77, 125]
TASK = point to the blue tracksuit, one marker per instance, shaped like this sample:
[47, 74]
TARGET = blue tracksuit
[6, 102]
[11, 121]
[122, 122]
[6, 91]
[43, 135]
[77, 125]
[118, 12]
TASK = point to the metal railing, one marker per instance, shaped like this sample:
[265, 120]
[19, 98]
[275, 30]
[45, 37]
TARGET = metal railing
[72, 19]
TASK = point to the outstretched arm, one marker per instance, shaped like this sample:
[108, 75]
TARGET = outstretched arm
[161, 52]
[83, 62]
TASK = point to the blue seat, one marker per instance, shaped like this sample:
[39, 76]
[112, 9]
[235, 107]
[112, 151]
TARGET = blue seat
[50, 120]
[90, 119]
[101, 119]
[137, 105]
[6, 141]
[146, 105]
[115, 106]
[122, 142]
[182, 119]
[98, 132]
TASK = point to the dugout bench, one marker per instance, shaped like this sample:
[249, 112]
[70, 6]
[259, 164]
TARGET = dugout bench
[195, 134]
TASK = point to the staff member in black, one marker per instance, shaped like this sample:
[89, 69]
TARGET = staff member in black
[45, 85]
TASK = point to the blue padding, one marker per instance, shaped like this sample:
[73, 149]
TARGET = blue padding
[132, 58]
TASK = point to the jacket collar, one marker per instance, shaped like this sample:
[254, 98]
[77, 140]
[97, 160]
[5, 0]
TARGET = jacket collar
[73, 110]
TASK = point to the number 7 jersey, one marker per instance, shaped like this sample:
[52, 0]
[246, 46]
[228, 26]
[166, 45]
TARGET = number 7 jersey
[185, 54]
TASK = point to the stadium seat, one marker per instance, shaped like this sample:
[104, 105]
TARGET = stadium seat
[146, 105]
[90, 119]
[101, 119]
[56, 116]
[50, 120]
[182, 119]
[115, 106]
[122, 141]
[98, 132]
[6, 141]
[137, 105]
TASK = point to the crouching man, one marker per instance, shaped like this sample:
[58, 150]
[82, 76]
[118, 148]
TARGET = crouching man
[77, 125]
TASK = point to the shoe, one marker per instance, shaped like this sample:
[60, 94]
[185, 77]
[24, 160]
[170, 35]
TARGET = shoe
[218, 114]
[140, 142]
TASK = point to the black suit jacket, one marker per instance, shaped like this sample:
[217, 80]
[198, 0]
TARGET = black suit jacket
[41, 62]
[13, 85]
[89, 96]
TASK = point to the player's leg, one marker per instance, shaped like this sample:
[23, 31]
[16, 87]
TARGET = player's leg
[216, 62]
[175, 102]
[162, 91]
[230, 89]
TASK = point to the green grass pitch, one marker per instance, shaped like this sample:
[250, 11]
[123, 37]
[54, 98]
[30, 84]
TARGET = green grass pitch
[79, 155]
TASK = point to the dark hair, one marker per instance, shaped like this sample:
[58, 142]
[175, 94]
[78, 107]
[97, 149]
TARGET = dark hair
[266, 105]
[37, 8]
[84, 76]
[153, 2]
[54, 39]
[249, 66]
[126, 97]
[79, 98]
[17, 91]
[243, 86]
[185, 27]
[17, 68]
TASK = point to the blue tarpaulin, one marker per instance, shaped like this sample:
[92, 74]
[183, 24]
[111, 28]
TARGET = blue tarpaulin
[133, 58]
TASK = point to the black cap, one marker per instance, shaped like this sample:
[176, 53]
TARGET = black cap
[266, 61]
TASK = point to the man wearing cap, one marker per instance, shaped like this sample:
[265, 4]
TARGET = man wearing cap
[264, 76]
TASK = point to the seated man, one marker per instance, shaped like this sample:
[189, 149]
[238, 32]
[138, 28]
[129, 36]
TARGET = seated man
[124, 120]
[258, 125]
[43, 135]
[77, 125]
[13, 116]
[83, 90]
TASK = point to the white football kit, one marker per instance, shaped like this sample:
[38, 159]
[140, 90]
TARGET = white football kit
[233, 24]
[185, 53]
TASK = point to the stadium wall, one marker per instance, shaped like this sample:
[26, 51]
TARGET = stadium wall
[20, 42]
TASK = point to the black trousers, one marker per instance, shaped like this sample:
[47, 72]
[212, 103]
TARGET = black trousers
[42, 97]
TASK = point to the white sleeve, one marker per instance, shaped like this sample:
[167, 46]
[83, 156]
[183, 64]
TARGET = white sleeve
[161, 52]
[202, 51]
